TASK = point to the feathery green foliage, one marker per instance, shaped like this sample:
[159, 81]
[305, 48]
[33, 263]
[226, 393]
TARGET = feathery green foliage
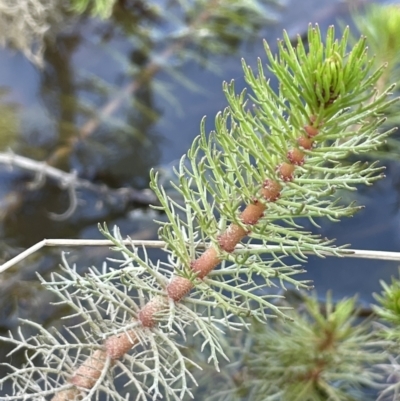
[380, 24]
[273, 160]
[218, 175]
[100, 8]
[323, 355]
[389, 300]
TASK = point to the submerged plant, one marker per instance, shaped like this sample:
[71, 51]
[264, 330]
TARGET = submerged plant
[24, 25]
[101, 8]
[273, 159]
[380, 23]
[388, 312]
[389, 303]
[323, 355]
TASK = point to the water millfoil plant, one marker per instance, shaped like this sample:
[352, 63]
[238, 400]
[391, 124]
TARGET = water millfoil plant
[327, 353]
[274, 160]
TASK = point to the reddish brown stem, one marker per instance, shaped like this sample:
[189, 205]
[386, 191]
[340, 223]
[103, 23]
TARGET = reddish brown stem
[116, 346]
[89, 372]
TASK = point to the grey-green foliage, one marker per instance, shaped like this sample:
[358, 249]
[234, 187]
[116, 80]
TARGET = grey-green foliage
[24, 24]
[103, 303]
[328, 86]
[223, 24]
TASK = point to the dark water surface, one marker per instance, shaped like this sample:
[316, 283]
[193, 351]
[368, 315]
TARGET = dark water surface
[87, 66]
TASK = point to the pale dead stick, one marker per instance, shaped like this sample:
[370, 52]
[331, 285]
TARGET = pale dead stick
[348, 253]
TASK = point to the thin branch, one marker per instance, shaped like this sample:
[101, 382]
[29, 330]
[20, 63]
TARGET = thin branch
[70, 180]
[349, 253]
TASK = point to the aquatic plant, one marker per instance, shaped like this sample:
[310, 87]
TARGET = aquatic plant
[379, 23]
[325, 354]
[273, 160]
[24, 25]
[101, 8]
[388, 311]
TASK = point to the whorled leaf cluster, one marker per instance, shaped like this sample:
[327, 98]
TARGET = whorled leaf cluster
[326, 353]
[274, 159]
